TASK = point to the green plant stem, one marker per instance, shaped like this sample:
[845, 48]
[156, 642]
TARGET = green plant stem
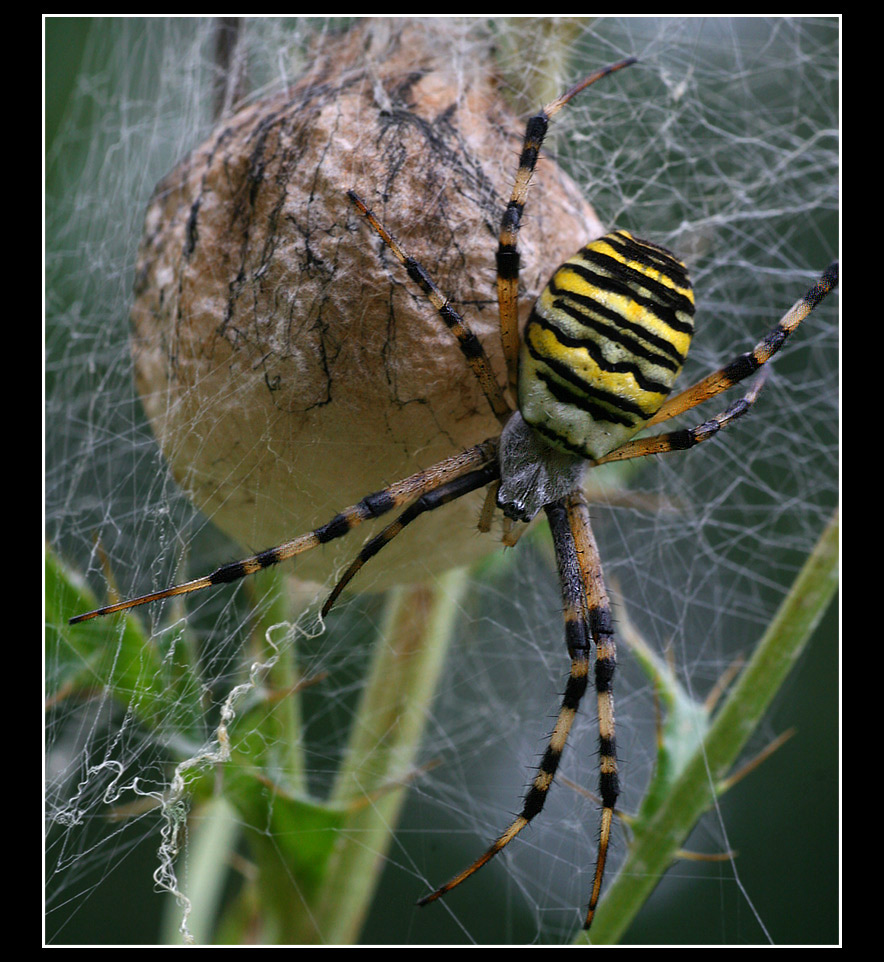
[655, 844]
[384, 741]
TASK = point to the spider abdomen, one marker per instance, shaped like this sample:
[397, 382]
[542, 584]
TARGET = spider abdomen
[604, 344]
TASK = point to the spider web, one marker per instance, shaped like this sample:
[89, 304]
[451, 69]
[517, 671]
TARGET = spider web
[724, 147]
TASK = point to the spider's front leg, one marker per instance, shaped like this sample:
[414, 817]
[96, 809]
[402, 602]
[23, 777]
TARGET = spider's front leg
[508, 257]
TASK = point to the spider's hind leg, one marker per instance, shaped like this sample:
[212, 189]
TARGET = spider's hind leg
[600, 628]
[587, 619]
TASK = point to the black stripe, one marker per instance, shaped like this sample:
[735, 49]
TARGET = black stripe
[572, 389]
[378, 503]
[535, 132]
[509, 223]
[775, 340]
[604, 674]
[336, 528]
[611, 326]
[649, 256]
[416, 272]
[740, 368]
[823, 286]
[507, 262]
[663, 302]
[267, 558]
[533, 803]
[449, 491]
[688, 437]
[681, 440]
[575, 689]
[550, 762]
[576, 636]
[609, 788]
[601, 625]
[227, 573]
[470, 345]
[665, 264]
[615, 272]
[239, 569]
[607, 746]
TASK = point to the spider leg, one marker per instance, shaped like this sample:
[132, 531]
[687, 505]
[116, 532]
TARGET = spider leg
[748, 363]
[429, 501]
[602, 632]
[508, 242]
[470, 345]
[581, 623]
[687, 437]
[488, 508]
[372, 506]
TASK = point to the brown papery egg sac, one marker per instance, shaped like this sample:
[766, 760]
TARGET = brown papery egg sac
[287, 365]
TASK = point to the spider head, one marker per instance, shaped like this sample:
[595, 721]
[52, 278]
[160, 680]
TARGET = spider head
[532, 473]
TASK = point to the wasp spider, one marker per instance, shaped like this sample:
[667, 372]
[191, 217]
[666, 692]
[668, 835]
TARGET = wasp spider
[597, 360]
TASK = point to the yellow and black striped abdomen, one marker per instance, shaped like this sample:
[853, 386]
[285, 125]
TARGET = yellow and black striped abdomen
[604, 344]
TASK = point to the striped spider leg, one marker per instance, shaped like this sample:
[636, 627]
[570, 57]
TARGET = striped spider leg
[588, 622]
[372, 506]
[508, 243]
